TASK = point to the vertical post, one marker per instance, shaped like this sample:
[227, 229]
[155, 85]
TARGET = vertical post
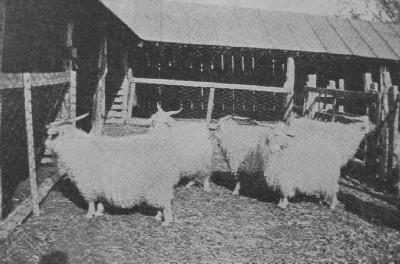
[310, 97]
[124, 89]
[132, 99]
[210, 104]
[370, 143]
[341, 87]
[30, 142]
[367, 78]
[1, 156]
[332, 85]
[99, 97]
[3, 12]
[385, 82]
[289, 86]
[70, 97]
[393, 125]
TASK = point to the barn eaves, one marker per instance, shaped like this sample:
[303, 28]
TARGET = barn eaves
[199, 24]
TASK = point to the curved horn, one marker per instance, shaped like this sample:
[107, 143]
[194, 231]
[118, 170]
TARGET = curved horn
[66, 121]
[78, 118]
[170, 113]
[222, 119]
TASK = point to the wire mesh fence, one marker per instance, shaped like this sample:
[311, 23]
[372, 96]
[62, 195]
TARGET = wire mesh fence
[48, 92]
[265, 106]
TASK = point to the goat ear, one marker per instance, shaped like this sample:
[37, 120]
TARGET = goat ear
[159, 109]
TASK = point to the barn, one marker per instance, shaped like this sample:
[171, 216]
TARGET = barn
[116, 59]
[164, 42]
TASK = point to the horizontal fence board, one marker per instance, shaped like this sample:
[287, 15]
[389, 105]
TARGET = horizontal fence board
[230, 86]
[15, 80]
[369, 96]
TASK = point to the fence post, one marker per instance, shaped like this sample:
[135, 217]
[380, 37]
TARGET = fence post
[341, 87]
[385, 82]
[394, 125]
[210, 104]
[332, 85]
[1, 157]
[30, 142]
[131, 96]
[370, 143]
[289, 85]
[310, 97]
[100, 94]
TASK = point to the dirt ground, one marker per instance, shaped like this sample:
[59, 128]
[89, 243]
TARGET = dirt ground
[214, 227]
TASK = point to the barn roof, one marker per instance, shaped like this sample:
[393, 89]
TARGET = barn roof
[188, 23]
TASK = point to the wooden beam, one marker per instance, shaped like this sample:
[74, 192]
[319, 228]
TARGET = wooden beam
[341, 88]
[3, 14]
[289, 86]
[132, 99]
[30, 142]
[72, 95]
[396, 105]
[99, 96]
[212, 85]
[71, 98]
[310, 97]
[1, 156]
[393, 125]
[384, 89]
[361, 96]
[210, 104]
[19, 214]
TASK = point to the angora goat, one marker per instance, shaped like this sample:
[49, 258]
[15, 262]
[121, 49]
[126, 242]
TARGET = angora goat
[308, 165]
[125, 171]
[347, 137]
[240, 145]
[192, 142]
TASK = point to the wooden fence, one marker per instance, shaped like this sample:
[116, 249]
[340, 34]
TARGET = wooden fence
[379, 101]
[126, 100]
[27, 83]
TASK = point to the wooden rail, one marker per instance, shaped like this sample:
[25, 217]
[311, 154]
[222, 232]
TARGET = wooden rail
[216, 85]
[370, 96]
[16, 80]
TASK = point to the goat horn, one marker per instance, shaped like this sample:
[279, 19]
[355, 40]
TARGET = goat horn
[78, 118]
[66, 121]
[170, 113]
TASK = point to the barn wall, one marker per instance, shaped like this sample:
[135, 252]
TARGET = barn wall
[35, 35]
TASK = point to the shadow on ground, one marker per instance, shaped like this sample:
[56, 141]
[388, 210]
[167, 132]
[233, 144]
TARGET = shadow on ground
[55, 257]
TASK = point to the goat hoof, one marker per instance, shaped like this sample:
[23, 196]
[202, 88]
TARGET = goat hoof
[90, 216]
[158, 216]
[190, 184]
[165, 223]
[98, 214]
[282, 206]
[332, 206]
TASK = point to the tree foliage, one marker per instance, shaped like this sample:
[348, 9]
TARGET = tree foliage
[391, 9]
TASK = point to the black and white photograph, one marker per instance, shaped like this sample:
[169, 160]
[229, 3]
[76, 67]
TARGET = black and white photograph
[199, 131]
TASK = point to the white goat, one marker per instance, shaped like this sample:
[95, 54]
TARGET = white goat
[192, 141]
[347, 137]
[239, 144]
[309, 165]
[125, 171]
